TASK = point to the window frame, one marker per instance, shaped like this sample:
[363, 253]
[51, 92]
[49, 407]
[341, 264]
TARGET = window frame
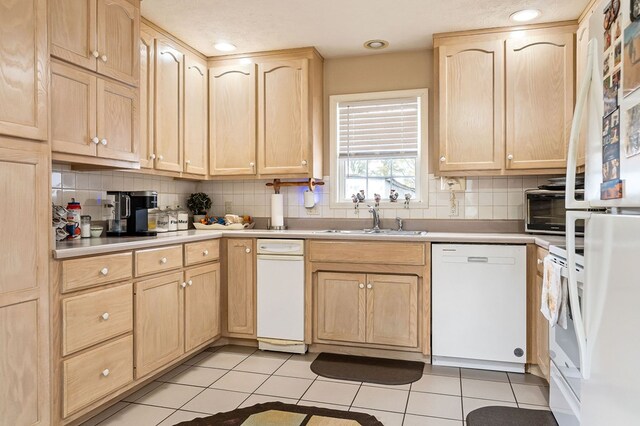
[422, 163]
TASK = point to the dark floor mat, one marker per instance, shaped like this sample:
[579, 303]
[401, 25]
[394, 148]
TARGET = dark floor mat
[365, 369]
[507, 416]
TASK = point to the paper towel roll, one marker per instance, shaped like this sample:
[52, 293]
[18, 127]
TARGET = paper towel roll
[309, 199]
[277, 210]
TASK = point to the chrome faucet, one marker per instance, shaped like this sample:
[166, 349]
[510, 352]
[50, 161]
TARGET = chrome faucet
[376, 218]
[400, 223]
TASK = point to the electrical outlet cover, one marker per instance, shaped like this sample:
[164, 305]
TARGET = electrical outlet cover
[313, 211]
[228, 207]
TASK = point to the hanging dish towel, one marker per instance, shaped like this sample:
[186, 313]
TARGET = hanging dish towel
[551, 290]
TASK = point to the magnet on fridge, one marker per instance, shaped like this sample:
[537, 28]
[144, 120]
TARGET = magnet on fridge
[611, 190]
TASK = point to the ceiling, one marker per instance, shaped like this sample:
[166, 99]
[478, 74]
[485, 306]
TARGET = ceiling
[337, 27]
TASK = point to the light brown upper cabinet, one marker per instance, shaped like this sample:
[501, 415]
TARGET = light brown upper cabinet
[540, 97]
[23, 69]
[169, 113]
[268, 109]
[471, 89]
[232, 115]
[92, 117]
[147, 84]
[195, 116]
[504, 100]
[99, 35]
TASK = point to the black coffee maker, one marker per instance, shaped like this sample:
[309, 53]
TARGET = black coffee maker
[131, 213]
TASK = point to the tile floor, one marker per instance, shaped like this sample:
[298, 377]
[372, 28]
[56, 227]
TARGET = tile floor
[222, 379]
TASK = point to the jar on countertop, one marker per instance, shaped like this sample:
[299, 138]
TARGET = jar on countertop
[74, 212]
[183, 219]
[173, 219]
[162, 221]
[85, 226]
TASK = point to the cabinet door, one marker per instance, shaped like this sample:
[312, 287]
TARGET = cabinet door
[169, 116]
[118, 38]
[240, 287]
[542, 333]
[232, 109]
[73, 111]
[202, 305]
[24, 317]
[23, 69]
[283, 117]
[159, 322]
[539, 101]
[340, 307]
[72, 31]
[195, 116]
[147, 80]
[392, 310]
[117, 117]
[471, 106]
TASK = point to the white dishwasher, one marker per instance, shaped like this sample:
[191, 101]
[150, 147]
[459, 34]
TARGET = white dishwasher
[479, 306]
[280, 285]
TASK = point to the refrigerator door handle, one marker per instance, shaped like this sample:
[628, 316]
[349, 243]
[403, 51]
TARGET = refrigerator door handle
[572, 153]
[576, 309]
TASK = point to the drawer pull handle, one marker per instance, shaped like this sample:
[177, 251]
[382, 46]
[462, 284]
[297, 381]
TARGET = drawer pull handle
[540, 261]
[160, 157]
[205, 253]
[443, 159]
[104, 142]
[183, 285]
[104, 58]
[95, 140]
[104, 271]
[190, 283]
[163, 260]
[303, 162]
[152, 157]
[477, 259]
[369, 286]
[361, 285]
[247, 250]
[105, 316]
[105, 372]
[95, 54]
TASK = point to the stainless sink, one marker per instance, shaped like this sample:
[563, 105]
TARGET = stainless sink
[371, 231]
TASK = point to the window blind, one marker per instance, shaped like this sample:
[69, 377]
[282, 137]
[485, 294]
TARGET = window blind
[379, 128]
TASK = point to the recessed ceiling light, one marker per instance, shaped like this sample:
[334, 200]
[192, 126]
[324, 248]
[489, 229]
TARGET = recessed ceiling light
[224, 46]
[376, 44]
[525, 15]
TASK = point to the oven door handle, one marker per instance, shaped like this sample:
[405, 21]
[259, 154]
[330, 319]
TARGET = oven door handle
[574, 297]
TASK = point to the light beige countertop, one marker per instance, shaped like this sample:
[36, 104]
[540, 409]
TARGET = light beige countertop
[94, 246]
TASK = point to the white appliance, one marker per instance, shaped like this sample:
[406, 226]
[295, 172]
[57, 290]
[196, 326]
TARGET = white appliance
[280, 282]
[606, 324]
[479, 306]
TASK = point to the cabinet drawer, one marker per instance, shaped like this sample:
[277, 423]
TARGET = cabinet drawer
[158, 260]
[541, 254]
[96, 317]
[95, 374]
[200, 252]
[94, 271]
[391, 253]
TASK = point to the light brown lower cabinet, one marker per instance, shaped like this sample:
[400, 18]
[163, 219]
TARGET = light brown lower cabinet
[241, 287]
[366, 308]
[542, 325]
[175, 313]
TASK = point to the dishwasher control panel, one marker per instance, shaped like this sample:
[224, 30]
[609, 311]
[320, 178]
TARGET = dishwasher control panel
[281, 247]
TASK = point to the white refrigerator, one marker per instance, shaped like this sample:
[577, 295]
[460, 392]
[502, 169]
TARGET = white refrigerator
[607, 325]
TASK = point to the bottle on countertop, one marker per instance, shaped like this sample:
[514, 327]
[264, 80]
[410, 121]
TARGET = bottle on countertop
[74, 211]
[85, 226]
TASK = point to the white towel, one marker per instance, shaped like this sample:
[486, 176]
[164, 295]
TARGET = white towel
[552, 293]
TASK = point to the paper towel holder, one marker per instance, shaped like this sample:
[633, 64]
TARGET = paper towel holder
[311, 183]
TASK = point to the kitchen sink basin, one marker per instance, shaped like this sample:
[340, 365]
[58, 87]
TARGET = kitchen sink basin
[371, 231]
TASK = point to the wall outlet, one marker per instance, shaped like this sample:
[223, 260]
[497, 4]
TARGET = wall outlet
[313, 211]
[454, 208]
[453, 183]
[228, 207]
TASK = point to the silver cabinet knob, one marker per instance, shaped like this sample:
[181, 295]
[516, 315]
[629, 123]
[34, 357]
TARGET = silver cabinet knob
[183, 285]
[205, 253]
[369, 286]
[95, 54]
[105, 372]
[103, 142]
[190, 283]
[361, 285]
[163, 260]
[160, 157]
[304, 162]
[252, 164]
[104, 271]
[104, 58]
[95, 140]
[540, 261]
[187, 162]
[443, 159]
[510, 157]
[152, 157]
[105, 316]
[247, 250]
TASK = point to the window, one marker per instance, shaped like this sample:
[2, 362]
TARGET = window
[378, 145]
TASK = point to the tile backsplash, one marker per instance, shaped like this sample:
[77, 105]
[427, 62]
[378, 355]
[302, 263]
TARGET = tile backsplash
[485, 197]
[90, 188]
